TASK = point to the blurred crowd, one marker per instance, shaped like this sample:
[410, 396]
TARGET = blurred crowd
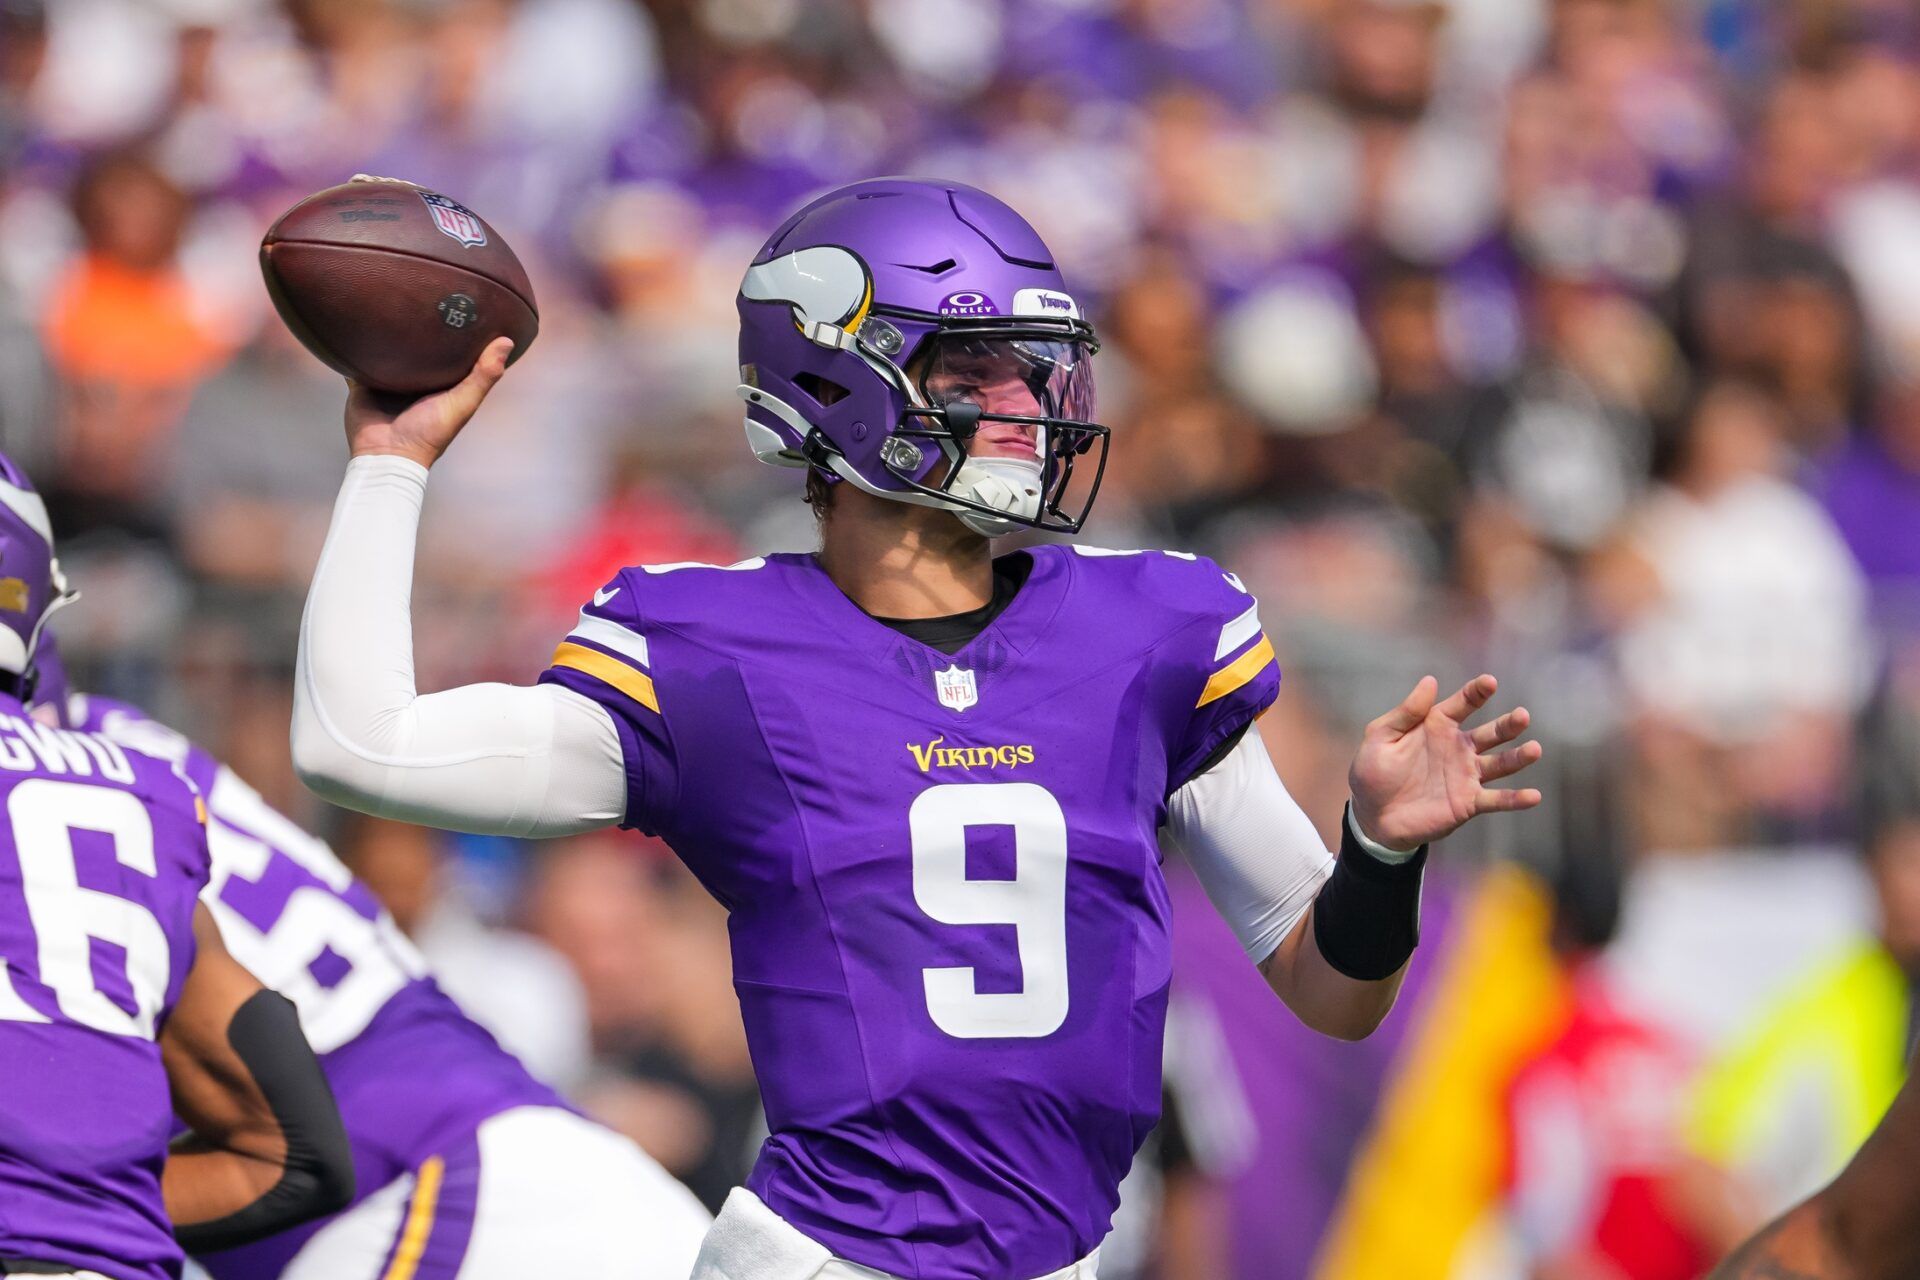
[1577, 340]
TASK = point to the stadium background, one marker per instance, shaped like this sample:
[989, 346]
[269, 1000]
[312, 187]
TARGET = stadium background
[1578, 340]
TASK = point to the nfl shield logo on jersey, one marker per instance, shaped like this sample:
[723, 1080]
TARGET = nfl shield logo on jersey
[956, 688]
[455, 219]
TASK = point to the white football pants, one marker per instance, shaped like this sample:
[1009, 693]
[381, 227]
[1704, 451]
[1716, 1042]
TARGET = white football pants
[542, 1192]
[751, 1242]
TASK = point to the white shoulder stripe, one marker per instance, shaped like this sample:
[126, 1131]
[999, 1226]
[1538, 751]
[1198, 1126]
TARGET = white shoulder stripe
[1238, 632]
[1092, 552]
[609, 634]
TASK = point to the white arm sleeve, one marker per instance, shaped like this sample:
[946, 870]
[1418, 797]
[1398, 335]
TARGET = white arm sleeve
[1256, 854]
[495, 758]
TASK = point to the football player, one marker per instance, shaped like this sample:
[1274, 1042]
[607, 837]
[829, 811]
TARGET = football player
[466, 1165]
[115, 991]
[926, 782]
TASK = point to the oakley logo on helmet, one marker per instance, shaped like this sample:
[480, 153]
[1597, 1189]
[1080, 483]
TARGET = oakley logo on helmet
[1044, 302]
[968, 303]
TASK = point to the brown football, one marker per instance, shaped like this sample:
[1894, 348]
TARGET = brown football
[396, 286]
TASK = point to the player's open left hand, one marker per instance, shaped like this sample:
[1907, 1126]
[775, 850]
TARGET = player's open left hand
[1421, 773]
[422, 429]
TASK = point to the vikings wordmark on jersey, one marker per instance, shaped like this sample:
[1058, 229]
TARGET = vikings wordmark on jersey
[102, 854]
[950, 931]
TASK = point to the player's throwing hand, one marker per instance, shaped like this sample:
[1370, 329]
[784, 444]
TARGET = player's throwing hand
[1421, 773]
[422, 429]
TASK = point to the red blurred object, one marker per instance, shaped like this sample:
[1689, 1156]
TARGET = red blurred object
[639, 525]
[1593, 1141]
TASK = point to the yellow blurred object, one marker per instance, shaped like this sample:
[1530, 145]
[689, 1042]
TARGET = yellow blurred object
[1793, 1100]
[1431, 1170]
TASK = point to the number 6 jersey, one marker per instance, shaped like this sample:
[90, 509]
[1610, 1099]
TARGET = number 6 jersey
[949, 927]
[412, 1074]
[102, 855]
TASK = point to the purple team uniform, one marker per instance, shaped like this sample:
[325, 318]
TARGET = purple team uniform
[414, 1076]
[102, 856]
[950, 931]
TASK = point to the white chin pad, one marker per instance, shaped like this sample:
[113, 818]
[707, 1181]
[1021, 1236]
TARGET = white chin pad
[1011, 485]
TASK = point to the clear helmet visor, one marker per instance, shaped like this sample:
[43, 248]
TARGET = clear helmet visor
[1009, 376]
[1011, 408]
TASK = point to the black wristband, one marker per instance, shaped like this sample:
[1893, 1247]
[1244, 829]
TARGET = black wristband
[317, 1176]
[1366, 919]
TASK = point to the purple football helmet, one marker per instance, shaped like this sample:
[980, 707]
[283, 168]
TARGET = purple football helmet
[32, 587]
[915, 339]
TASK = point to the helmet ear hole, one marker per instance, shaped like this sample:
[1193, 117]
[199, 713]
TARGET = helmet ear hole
[823, 391]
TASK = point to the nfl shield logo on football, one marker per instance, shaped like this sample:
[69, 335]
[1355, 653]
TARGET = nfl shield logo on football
[956, 688]
[455, 219]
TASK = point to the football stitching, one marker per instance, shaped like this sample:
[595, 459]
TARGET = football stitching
[526, 300]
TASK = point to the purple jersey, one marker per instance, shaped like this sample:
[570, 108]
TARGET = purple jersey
[950, 931]
[413, 1075]
[102, 855]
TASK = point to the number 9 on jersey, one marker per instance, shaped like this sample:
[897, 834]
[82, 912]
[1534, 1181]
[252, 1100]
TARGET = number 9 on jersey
[1034, 902]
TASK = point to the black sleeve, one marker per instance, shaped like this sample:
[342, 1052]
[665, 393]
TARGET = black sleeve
[318, 1175]
[1176, 1146]
[1222, 751]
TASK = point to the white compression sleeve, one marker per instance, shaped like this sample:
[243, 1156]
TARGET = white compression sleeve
[1256, 854]
[502, 759]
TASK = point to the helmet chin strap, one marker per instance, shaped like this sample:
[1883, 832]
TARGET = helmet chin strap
[1011, 485]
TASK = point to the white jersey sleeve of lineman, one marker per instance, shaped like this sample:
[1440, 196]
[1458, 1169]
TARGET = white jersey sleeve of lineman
[501, 759]
[1256, 854]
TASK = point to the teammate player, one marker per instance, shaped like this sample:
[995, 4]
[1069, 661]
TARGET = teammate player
[115, 990]
[926, 782]
[466, 1165]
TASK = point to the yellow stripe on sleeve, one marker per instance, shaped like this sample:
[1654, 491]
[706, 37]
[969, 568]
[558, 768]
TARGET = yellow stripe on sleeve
[1238, 672]
[419, 1225]
[608, 670]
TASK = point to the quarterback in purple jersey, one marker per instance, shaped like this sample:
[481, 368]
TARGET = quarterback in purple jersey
[115, 993]
[929, 784]
[499, 1177]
